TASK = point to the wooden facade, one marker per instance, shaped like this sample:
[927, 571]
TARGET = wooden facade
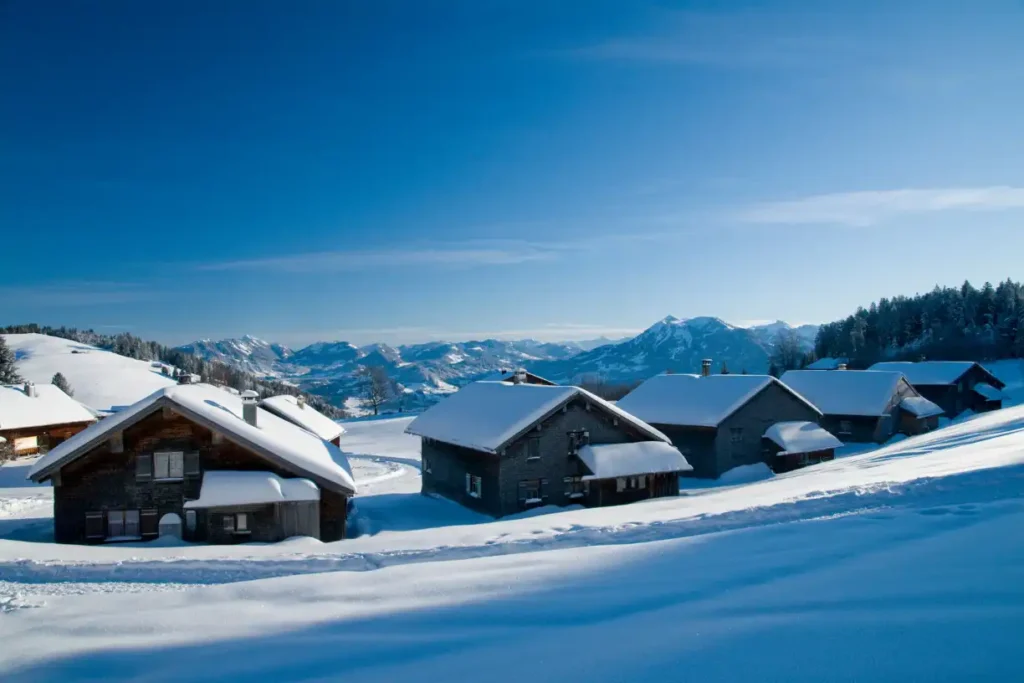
[956, 397]
[540, 467]
[737, 440]
[793, 461]
[45, 436]
[113, 491]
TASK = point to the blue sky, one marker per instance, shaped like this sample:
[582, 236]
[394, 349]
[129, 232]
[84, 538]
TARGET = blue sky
[403, 171]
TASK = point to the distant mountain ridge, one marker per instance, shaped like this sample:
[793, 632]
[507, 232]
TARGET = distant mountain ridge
[424, 371]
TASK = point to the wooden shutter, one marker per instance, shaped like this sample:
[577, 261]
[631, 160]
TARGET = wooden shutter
[94, 525]
[175, 465]
[131, 523]
[143, 467]
[192, 464]
[469, 488]
[150, 522]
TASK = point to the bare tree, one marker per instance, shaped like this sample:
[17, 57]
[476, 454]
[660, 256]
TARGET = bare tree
[787, 354]
[375, 386]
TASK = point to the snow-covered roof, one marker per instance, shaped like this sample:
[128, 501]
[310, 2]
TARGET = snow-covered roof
[845, 392]
[919, 406]
[628, 459]
[801, 437]
[228, 488]
[928, 372]
[50, 406]
[509, 375]
[487, 415]
[304, 415]
[692, 400]
[827, 364]
[273, 437]
[987, 391]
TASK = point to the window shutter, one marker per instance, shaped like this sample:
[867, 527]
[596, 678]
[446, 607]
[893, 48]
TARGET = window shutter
[160, 465]
[469, 485]
[175, 465]
[150, 522]
[143, 467]
[192, 464]
[94, 525]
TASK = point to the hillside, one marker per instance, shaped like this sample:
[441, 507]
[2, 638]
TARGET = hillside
[100, 379]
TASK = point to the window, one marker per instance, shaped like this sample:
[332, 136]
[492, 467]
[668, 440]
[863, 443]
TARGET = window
[426, 465]
[575, 487]
[845, 427]
[736, 435]
[631, 483]
[168, 465]
[531, 491]
[236, 523]
[94, 525]
[150, 523]
[190, 520]
[115, 523]
[474, 486]
[578, 438]
[143, 467]
[532, 449]
[192, 468]
[131, 523]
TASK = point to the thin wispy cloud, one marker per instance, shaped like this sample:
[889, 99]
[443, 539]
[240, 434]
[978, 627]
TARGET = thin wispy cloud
[454, 255]
[70, 294]
[860, 209]
[725, 40]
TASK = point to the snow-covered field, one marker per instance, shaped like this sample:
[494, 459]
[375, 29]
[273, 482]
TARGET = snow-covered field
[100, 379]
[895, 563]
[900, 562]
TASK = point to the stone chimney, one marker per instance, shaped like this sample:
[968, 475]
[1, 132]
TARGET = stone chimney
[300, 401]
[519, 377]
[30, 389]
[249, 401]
[705, 367]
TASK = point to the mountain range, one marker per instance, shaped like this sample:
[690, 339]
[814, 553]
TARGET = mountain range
[423, 372]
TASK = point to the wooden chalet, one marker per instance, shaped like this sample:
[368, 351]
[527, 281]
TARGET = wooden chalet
[35, 419]
[862, 406]
[955, 386]
[717, 421]
[199, 463]
[501, 448]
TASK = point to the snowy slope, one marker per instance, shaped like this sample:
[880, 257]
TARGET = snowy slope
[898, 564]
[100, 379]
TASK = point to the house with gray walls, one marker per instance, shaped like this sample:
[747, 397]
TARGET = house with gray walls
[504, 447]
[862, 406]
[955, 386]
[717, 421]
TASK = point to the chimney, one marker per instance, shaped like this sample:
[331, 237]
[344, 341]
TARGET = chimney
[705, 367]
[519, 377]
[249, 400]
[300, 401]
[841, 366]
[30, 390]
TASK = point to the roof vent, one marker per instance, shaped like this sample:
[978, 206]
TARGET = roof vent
[705, 367]
[30, 389]
[249, 401]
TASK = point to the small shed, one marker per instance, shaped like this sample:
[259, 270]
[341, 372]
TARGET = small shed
[792, 445]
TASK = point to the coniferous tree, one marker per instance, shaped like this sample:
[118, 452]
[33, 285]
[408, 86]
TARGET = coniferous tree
[61, 382]
[724, 370]
[8, 371]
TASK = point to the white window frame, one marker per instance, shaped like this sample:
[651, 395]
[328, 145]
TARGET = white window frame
[242, 523]
[529, 443]
[168, 465]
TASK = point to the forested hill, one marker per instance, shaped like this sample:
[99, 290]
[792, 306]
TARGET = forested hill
[947, 323]
[129, 345]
